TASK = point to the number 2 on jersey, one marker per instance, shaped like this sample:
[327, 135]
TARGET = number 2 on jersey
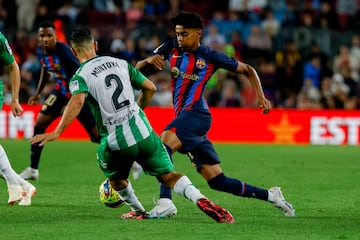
[119, 88]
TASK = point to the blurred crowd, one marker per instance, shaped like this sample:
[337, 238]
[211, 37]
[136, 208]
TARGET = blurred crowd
[306, 52]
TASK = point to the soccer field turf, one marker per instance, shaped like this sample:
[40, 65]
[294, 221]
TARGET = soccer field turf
[320, 181]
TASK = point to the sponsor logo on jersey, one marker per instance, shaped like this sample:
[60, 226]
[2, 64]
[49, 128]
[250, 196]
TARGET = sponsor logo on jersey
[175, 72]
[74, 86]
[121, 119]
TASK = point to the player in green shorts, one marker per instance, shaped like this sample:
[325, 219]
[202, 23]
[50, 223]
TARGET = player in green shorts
[107, 84]
[20, 191]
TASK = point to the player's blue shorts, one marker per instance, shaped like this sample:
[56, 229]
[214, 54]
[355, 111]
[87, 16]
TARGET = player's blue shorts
[192, 127]
[55, 104]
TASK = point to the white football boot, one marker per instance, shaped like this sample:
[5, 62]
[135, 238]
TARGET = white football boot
[280, 202]
[30, 173]
[16, 194]
[30, 192]
[164, 208]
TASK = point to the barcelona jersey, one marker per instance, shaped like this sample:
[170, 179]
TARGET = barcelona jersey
[61, 64]
[190, 72]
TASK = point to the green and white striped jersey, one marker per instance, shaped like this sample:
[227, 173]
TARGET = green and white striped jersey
[109, 83]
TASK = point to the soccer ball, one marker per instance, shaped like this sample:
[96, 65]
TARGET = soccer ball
[109, 196]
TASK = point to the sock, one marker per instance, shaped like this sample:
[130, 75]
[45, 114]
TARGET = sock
[236, 187]
[185, 187]
[6, 170]
[128, 195]
[36, 150]
[165, 192]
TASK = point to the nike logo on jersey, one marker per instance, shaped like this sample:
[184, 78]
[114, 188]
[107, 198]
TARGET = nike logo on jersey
[176, 56]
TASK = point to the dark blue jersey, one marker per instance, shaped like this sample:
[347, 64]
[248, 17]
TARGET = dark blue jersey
[190, 72]
[62, 64]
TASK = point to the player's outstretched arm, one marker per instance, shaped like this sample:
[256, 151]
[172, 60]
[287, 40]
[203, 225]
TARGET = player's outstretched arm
[156, 60]
[71, 111]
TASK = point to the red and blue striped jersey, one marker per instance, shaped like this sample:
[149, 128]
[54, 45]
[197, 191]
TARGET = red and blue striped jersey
[61, 64]
[190, 72]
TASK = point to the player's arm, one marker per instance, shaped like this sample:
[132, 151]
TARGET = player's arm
[44, 77]
[254, 79]
[71, 111]
[14, 75]
[156, 61]
[148, 89]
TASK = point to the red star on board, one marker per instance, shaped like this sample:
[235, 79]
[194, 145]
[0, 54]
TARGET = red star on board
[284, 131]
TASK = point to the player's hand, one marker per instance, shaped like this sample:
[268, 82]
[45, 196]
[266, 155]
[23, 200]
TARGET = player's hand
[33, 99]
[157, 61]
[16, 108]
[41, 139]
[265, 104]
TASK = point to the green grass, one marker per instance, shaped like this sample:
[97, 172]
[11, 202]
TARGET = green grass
[320, 181]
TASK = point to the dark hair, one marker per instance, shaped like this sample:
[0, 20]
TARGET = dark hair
[80, 34]
[188, 20]
[47, 24]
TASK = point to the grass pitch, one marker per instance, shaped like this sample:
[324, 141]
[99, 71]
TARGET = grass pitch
[320, 181]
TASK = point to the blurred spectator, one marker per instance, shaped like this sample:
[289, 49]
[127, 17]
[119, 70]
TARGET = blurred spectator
[247, 93]
[213, 38]
[117, 44]
[339, 91]
[230, 95]
[270, 24]
[258, 39]
[312, 70]
[163, 96]
[129, 53]
[327, 17]
[345, 61]
[289, 73]
[238, 45]
[355, 52]
[347, 11]
[68, 13]
[327, 100]
[309, 96]
[26, 13]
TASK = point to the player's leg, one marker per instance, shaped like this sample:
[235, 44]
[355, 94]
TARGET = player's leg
[19, 190]
[50, 110]
[208, 165]
[116, 167]
[164, 206]
[181, 134]
[160, 165]
[86, 118]
[41, 124]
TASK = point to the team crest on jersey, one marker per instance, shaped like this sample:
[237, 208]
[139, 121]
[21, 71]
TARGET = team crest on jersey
[200, 63]
[175, 72]
[74, 86]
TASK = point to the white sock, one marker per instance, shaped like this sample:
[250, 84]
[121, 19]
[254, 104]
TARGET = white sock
[185, 187]
[128, 195]
[6, 170]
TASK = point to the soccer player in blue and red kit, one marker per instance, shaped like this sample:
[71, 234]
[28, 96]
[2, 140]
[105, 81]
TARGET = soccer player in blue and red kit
[191, 67]
[60, 64]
